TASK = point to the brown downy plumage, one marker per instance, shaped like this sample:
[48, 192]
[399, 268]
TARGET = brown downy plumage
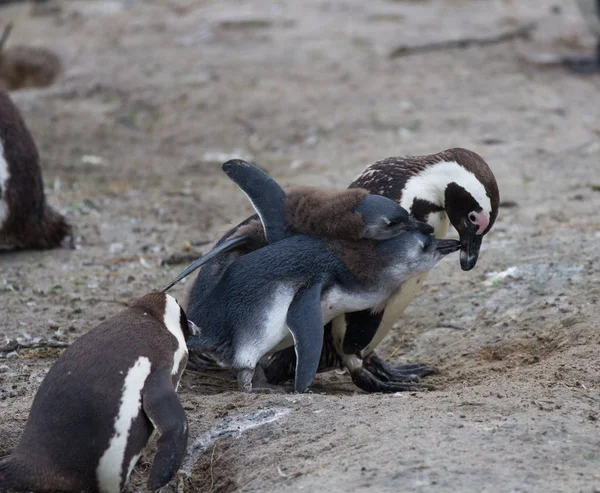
[26, 66]
[315, 212]
[26, 220]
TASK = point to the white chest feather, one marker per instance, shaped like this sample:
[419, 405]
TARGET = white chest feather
[337, 301]
[110, 468]
[4, 176]
[395, 307]
[274, 333]
[172, 322]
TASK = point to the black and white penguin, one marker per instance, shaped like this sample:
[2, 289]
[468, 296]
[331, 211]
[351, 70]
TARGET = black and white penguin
[282, 294]
[454, 186]
[590, 9]
[26, 220]
[102, 400]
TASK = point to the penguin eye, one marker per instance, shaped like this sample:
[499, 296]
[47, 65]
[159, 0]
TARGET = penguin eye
[473, 217]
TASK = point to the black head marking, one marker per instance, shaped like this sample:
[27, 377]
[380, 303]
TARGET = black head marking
[459, 203]
[421, 209]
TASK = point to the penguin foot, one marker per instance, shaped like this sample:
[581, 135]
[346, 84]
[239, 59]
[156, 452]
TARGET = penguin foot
[253, 380]
[260, 384]
[396, 373]
[368, 382]
[199, 362]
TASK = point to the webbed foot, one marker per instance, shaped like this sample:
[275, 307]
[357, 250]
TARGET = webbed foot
[368, 382]
[396, 373]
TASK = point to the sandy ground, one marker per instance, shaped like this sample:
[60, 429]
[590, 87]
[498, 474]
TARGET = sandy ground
[157, 94]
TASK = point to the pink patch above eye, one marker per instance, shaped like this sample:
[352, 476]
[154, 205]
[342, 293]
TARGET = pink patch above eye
[482, 220]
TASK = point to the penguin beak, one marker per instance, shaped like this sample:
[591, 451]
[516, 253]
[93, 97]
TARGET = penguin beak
[447, 246]
[469, 250]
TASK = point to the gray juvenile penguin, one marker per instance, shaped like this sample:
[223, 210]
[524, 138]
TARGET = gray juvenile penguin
[26, 220]
[454, 186]
[102, 400]
[282, 294]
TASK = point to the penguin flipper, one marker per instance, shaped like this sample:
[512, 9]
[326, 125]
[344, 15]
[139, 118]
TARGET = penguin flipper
[196, 264]
[163, 408]
[265, 194]
[305, 321]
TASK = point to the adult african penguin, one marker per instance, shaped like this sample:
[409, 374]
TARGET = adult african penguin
[26, 220]
[102, 400]
[454, 186]
[282, 294]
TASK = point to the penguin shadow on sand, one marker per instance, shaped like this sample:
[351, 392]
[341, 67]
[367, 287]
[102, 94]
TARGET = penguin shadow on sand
[282, 295]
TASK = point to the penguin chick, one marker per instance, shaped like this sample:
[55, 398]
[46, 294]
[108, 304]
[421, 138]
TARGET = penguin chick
[282, 294]
[351, 214]
[102, 400]
[453, 186]
[26, 220]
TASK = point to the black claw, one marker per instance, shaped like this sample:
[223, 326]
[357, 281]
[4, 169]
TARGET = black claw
[396, 373]
[368, 382]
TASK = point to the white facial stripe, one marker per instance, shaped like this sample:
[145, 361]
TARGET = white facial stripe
[110, 466]
[431, 184]
[172, 323]
[4, 176]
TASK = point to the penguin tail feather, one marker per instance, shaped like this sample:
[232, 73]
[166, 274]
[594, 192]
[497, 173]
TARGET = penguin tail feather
[55, 229]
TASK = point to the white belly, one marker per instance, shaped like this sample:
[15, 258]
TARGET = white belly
[337, 301]
[4, 176]
[274, 334]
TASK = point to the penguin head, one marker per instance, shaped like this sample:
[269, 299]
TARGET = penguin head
[471, 199]
[383, 218]
[165, 308]
[413, 253]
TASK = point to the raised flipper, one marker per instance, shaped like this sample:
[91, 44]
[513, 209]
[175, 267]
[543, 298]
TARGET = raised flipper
[385, 219]
[305, 321]
[265, 194]
[196, 264]
[164, 410]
